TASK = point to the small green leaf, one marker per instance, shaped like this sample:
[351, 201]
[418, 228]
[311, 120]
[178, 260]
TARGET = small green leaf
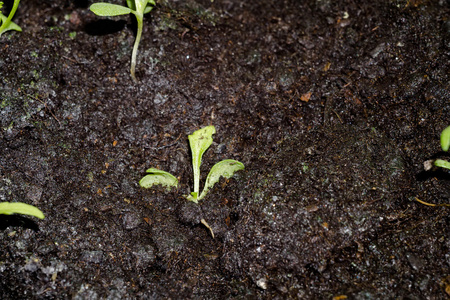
[6, 23]
[156, 176]
[109, 10]
[149, 7]
[442, 163]
[9, 208]
[10, 26]
[225, 168]
[140, 5]
[192, 197]
[130, 4]
[445, 139]
[199, 142]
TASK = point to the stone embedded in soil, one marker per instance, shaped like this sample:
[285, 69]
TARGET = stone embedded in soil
[131, 220]
[92, 256]
[144, 256]
[415, 261]
[34, 193]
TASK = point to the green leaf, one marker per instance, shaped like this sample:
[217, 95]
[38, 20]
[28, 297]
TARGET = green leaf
[9, 208]
[109, 10]
[192, 197]
[442, 163]
[225, 168]
[199, 141]
[445, 139]
[149, 7]
[156, 176]
[130, 4]
[141, 6]
[6, 23]
[9, 26]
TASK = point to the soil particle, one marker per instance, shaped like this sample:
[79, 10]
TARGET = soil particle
[190, 213]
[131, 220]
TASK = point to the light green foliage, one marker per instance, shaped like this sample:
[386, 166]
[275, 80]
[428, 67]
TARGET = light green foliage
[199, 141]
[158, 177]
[445, 145]
[6, 23]
[136, 7]
[225, 168]
[9, 208]
[442, 163]
[109, 10]
[445, 139]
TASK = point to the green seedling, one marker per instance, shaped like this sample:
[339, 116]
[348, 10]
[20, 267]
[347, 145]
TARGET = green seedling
[199, 141]
[6, 23]
[135, 7]
[445, 145]
[438, 163]
[9, 208]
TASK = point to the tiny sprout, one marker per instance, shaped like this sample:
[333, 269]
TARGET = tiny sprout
[432, 164]
[6, 23]
[199, 141]
[136, 7]
[445, 145]
[9, 208]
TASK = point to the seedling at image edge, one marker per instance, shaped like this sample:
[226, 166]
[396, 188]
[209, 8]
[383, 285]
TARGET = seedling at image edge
[445, 145]
[433, 164]
[5, 21]
[135, 7]
[9, 208]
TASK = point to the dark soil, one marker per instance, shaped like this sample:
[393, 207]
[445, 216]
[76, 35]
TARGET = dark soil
[332, 106]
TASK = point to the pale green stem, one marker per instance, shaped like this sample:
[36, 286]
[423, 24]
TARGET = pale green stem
[139, 18]
[196, 168]
[11, 14]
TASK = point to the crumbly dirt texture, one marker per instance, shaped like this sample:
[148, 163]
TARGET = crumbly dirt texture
[332, 106]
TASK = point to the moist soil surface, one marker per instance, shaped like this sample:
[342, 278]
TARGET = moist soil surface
[332, 106]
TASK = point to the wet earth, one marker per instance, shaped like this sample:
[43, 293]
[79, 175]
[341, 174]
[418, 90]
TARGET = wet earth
[332, 106]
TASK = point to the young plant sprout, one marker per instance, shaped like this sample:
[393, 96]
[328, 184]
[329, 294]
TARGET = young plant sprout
[6, 23]
[445, 145]
[199, 141]
[438, 163]
[9, 208]
[136, 7]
